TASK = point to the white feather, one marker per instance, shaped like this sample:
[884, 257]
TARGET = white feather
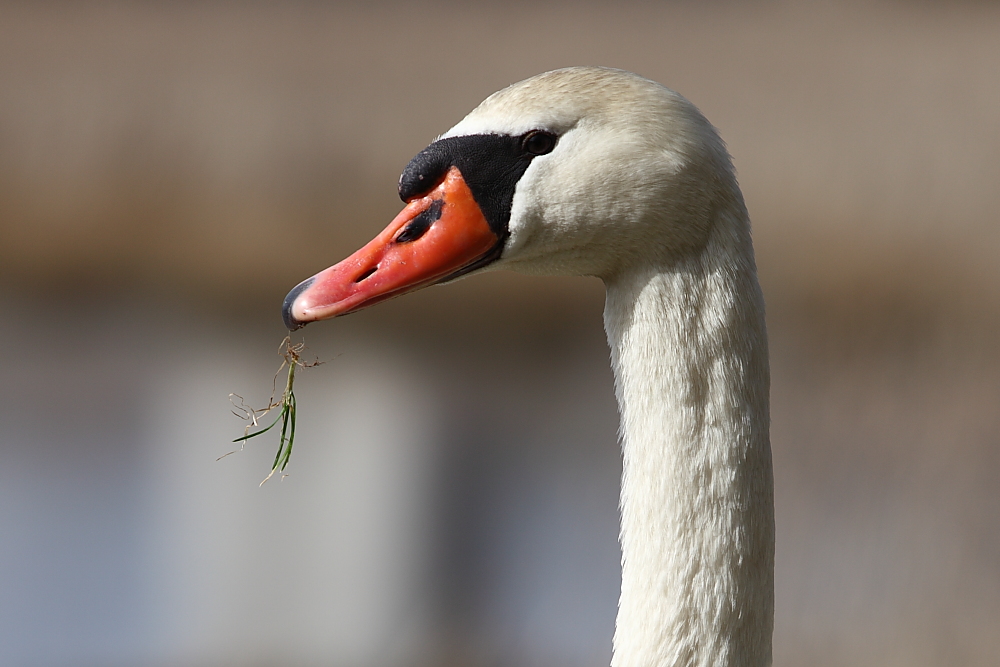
[640, 191]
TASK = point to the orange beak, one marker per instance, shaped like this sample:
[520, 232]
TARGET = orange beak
[433, 238]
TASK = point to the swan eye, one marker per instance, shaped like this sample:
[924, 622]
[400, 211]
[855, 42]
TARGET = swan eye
[538, 142]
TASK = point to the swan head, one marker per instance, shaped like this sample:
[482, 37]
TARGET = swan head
[582, 171]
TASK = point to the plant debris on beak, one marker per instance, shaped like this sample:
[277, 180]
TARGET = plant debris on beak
[292, 358]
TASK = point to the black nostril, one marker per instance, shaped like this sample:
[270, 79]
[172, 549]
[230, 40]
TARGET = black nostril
[366, 274]
[420, 224]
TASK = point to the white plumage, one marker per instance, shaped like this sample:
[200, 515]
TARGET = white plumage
[640, 191]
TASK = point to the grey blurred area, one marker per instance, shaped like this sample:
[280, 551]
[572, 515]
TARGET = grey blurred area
[169, 170]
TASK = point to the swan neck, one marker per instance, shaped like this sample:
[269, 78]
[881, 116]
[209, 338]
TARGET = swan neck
[689, 353]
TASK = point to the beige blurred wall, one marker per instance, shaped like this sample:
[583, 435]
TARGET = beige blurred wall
[169, 170]
[181, 143]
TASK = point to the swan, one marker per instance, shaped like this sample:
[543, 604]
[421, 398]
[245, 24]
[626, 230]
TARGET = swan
[600, 172]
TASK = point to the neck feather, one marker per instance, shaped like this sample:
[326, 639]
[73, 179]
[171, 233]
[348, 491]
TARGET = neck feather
[689, 352]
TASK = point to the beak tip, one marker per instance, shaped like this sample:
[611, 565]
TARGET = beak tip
[288, 306]
[293, 324]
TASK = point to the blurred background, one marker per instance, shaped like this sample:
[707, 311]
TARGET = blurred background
[169, 170]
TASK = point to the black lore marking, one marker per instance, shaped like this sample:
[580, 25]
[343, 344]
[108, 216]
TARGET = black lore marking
[421, 223]
[491, 165]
